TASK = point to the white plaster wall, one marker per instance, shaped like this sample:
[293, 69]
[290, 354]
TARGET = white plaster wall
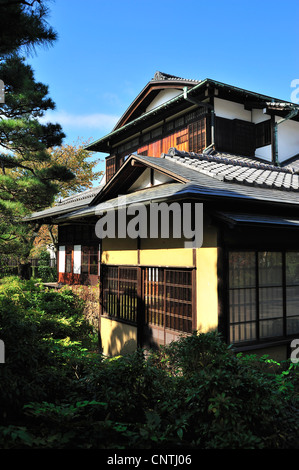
[231, 110]
[144, 180]
[264, 152]
[258, 115]
[159, 178]
[288, 139]
[61, 264]
[77, 259]
[288, 131]
[162, 97]
[288, 142]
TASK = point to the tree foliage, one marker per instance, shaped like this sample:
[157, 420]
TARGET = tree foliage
[23, 25]
[80, 162]
[57, 392]
[85, 169]
[29, 177]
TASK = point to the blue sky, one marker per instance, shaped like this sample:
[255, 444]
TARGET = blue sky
[108, 50]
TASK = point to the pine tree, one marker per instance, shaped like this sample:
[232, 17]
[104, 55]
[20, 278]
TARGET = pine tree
[25, 184]
[23, 25]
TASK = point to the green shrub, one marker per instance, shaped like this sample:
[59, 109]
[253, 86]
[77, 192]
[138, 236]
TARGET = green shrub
[40, 337]
[46, 272]
[192, 394]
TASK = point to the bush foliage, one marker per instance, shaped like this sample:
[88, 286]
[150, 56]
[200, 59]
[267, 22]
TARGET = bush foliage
[58, 392]
[46, 272]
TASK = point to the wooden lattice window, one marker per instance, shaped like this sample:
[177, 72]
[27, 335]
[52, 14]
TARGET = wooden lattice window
[243, 137]
[68, 259]
[120, 292]
[263, 133]
[263, 295]
[163, 296]
[167, 297]
[235, 136]
[197, 136]
[110, 167]
[182, 138]
[89, 260]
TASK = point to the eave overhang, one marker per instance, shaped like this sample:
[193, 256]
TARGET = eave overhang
[233, 219]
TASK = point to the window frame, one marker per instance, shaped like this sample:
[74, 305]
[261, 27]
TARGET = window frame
[149, 279]
[89, 251]
[258, 339]
[69, 258]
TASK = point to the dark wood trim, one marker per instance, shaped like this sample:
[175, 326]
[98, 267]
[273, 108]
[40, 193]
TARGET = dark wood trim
[284, 294]
[273, 139]
[152, 87]
[194, 291]
[152, 179]
[257, 296]
[140, 309]
[222, 288]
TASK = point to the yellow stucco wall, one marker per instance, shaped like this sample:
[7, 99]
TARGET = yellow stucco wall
[207, 281]
[165, 252]
[117, 338]
[119, 251]
[156, 252]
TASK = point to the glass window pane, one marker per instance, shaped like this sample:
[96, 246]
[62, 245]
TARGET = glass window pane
[243, 332]
[270, 268]
[292, 325]
[270, 302]
[242, 305]
[269, 328]
[94, 264]
[242, 269]
[68, 260]
[292, 300]
[292, 268]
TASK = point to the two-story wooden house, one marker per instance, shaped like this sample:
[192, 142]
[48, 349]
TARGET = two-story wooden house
[181, 141]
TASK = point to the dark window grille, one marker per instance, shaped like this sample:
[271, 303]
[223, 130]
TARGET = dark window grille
[263, 295]
[166, 295]
[68, 259]
[235, 135]
[89, 260]
[120, 292]
[182, 138]
[168, 298]
[197, 136]
[110, 167]
[263, 133]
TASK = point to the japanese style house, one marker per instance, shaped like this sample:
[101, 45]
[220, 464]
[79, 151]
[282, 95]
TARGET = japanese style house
[237, 153]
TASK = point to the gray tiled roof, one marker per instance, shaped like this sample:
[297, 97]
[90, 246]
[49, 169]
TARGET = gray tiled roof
[206, 175]
[166, 76]
[68, 204]
[292, 163]
[237, 169]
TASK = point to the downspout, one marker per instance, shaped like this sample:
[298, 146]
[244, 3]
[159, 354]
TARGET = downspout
[204, 105]
[275, 124]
